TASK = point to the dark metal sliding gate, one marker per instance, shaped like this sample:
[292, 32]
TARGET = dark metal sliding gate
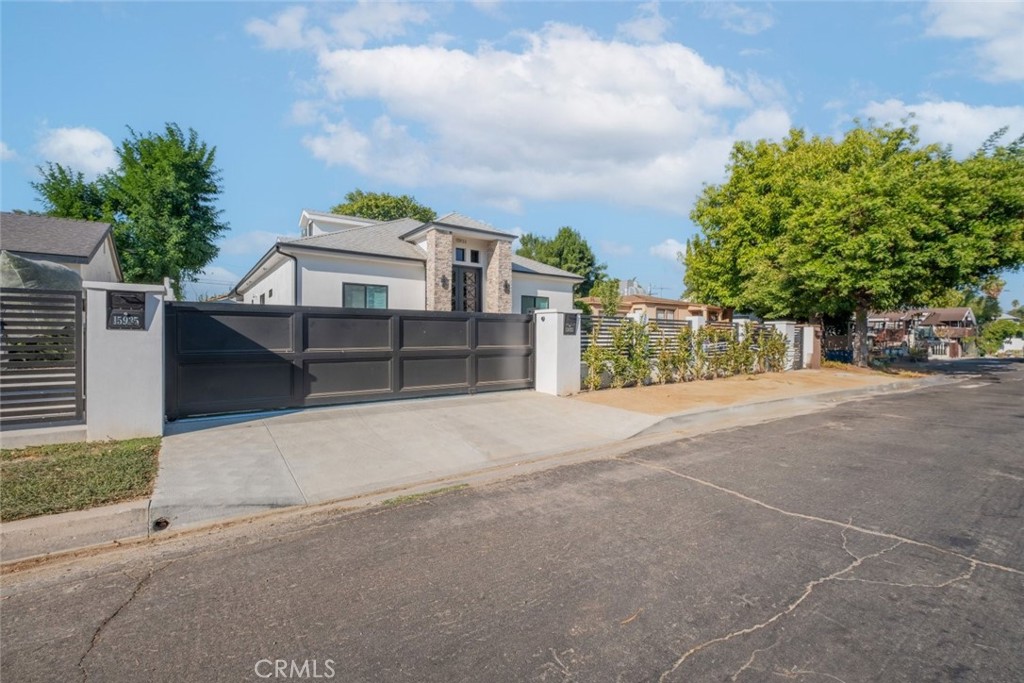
[225, 358]
[41, 357]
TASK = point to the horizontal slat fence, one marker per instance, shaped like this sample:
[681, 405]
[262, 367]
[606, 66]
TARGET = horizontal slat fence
[41, 357]
[667, 330]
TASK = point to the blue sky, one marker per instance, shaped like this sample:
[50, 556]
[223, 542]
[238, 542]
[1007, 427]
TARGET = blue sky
[604, 116]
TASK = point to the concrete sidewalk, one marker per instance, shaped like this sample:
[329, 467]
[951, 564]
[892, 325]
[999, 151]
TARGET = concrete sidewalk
[217, 469]
[225, 467]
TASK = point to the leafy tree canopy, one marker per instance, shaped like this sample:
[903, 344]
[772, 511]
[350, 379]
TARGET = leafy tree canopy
[382, 206]
[67, 194]
[160, 200]
[567, 250]
[991, 339]
[816, 226]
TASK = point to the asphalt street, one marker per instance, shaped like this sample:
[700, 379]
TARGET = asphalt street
[880, 540]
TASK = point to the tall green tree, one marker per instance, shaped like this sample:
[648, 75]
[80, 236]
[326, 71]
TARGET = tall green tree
[67, 194]
[567, 250]
[876, 220]
[160, 199]
[382, 206]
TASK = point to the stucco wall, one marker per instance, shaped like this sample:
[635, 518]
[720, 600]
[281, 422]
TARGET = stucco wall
[278, 286]
[101, 267]
[322, 280]
[558, 291]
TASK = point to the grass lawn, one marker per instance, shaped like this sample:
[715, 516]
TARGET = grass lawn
[43, 480]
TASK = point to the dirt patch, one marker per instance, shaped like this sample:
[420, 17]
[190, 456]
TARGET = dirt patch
[665, 399]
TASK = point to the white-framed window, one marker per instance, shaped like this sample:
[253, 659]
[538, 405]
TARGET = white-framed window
[356, 295]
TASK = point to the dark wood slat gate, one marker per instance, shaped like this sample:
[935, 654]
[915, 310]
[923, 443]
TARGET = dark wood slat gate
[42, 357]
[224, 358]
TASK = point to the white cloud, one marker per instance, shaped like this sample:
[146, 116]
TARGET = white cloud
[285, 32]
[82, 149]
[251, 243]
[615, 248]
[6, 153]
[961, 125]
[358, 25]
[741, 19]
[996, 27]
[647, 26]
[668, 249]
[566, 116]
[492, 8]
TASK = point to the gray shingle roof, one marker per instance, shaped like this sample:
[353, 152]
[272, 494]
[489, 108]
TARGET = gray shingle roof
[386, 239]
[521, 264]
[458, 220]
[382, 239]
[60, 238]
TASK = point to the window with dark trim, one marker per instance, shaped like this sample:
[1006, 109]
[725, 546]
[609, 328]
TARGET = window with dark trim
[474, 256]
[533, 303]
[263, 299]
[364, 296]
[270, 294]
[460, 254]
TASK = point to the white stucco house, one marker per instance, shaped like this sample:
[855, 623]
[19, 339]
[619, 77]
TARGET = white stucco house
[86, 247]
[454, 263]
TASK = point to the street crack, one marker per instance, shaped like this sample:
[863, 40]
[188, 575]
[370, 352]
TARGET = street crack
[99, 629]
[808, 590]
[845, 526]
[840, 575]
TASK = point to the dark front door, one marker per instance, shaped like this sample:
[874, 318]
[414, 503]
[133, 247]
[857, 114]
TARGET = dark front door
[466, 290]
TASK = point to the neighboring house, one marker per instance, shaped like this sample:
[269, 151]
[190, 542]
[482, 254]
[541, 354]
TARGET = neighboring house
[948, 323]
[452, 263]
[656, 308]
[942, 330]
[86, 247]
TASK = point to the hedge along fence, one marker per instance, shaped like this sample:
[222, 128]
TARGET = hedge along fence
[629, 352]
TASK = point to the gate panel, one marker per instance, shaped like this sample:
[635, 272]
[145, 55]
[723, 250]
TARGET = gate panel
[236, 357]
[42, 357]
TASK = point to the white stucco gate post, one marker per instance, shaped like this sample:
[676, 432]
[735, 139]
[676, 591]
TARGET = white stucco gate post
[124, 360]
[557, 352]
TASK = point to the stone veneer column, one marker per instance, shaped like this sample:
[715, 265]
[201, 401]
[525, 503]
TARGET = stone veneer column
[440, 253]
[498, 279]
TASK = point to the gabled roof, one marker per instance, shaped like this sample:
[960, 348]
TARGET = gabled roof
[458, 222]
[340, 220]
[521, 264]
[60, 239]
[942, 316]
[380, 239]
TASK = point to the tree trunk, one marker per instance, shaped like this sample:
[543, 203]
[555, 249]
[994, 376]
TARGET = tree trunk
[860, 337]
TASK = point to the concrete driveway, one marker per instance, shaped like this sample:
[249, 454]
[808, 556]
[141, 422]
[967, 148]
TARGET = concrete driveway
[224, 467]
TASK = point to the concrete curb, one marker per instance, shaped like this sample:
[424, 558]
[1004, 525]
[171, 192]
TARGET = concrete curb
[54, 536]
[68, 531]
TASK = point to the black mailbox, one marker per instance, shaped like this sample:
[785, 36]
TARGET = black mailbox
[126, 311]
[571, 324]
